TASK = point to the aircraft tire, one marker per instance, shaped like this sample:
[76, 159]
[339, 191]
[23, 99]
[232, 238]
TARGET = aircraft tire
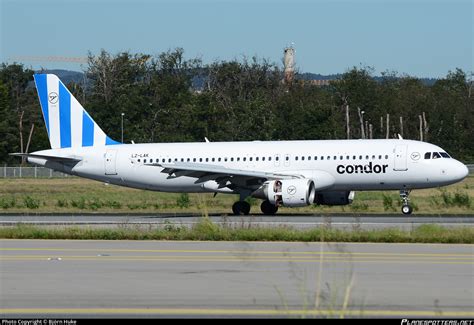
[241, 208]
[406, 209]
[268, 208]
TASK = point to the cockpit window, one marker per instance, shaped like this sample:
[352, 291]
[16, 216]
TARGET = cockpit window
[444, 155]
[436, 155]
[428, 155]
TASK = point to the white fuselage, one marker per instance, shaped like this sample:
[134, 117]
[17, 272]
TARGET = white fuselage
[354, 164]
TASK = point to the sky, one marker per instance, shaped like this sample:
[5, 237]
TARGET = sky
[423, 38]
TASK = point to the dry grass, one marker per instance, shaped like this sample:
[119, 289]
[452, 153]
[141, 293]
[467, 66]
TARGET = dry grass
[77, 195]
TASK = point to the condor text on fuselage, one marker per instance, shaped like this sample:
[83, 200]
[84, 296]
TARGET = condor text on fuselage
[362, 169]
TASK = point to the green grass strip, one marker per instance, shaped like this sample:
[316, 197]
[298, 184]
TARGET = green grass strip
[207, 230]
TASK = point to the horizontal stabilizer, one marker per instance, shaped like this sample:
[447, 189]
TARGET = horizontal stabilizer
[53, 158]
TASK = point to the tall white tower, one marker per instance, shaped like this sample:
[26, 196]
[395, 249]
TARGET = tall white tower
[289, 62]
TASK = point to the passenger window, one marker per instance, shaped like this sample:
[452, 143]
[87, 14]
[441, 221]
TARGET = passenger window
[341, 158]
[163, 160]
[386, 156]
[256, 158]
[354, 157]
[138, 160]
[436, 155]
[263, 158]
[182, 159]
[287, 158]
[296, 157]
[207, 159]
[169, 160]
[309, 157]
[219, 159]
[380, 156]
[269, 158]
[194, 159]
[302, 157]
[232, 159]
[251, 158]
[238, 158]
[277, 158]
[329, 157]
[348, 157]
[322, 157]
[373, 156]
[360, 157]
[225, 159]
[245, 159]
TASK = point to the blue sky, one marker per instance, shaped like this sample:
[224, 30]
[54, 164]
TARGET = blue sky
[424, 38]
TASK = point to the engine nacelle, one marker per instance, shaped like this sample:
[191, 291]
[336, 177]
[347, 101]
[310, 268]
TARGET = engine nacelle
[288, 192]
[334, 198]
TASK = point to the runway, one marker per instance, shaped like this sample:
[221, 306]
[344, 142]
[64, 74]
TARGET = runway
[300, 221]
[68, 279]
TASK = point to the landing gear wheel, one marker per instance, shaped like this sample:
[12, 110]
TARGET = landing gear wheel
[268, 208]
[241, 208]
[406, 209]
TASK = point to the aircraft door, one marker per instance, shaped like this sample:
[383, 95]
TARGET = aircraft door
[110, 162]
[400, 162]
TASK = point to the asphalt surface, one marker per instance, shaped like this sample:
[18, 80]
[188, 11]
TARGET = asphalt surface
[298, 220]
[69, 279]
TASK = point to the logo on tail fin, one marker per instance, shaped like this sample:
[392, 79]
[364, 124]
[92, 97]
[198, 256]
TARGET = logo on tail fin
[53, 98]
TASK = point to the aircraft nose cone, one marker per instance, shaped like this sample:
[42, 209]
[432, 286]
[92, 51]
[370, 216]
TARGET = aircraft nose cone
[462, 171]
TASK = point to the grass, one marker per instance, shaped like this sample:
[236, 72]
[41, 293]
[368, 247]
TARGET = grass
[77, 195]
[207, 230]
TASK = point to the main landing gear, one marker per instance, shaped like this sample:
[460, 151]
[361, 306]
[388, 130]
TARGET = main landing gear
[268, 208]
[241, 207]
[406, 208]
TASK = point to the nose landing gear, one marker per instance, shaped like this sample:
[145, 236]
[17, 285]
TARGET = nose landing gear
[406, 208]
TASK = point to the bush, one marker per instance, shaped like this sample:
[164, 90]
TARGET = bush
[6, 204]
[81, 204]
[388, 203]
[62, 203]
[183, 201]
[31, 203]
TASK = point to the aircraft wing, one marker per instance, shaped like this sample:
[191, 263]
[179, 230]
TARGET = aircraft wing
[238, 177]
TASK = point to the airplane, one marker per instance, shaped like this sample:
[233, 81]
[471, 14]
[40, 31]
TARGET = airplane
[281, 173]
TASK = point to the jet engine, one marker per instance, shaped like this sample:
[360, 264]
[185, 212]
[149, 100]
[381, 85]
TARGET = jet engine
[334, 198]
[287, 192]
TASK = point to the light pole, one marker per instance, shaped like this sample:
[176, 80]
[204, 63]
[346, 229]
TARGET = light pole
[122, 126]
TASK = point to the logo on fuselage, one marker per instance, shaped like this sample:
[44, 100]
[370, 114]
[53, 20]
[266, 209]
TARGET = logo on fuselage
[362, 169]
